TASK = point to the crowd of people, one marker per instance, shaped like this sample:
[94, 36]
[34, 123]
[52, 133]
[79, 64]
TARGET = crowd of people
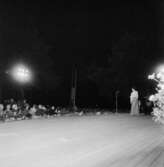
[19, 110]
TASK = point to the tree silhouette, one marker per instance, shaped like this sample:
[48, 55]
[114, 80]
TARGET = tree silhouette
[121, 71]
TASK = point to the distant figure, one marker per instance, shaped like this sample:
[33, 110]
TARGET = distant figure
[148, 108]
[134, 102]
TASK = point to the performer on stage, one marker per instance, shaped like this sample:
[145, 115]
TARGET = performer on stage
[134, 102]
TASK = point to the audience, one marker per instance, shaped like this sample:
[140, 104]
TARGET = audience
[21, 110]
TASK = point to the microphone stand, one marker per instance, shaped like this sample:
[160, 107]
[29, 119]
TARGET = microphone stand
[116, 102]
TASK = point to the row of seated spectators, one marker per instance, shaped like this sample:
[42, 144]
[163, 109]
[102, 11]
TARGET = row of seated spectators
[20, 110]
[12, 110]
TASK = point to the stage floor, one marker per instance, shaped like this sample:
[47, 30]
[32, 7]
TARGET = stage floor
[114, 140]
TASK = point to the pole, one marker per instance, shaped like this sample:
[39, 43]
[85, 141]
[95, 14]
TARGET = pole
[116, 105]
[116, 96]
[22, 93]
[73, 89]
[75, 86]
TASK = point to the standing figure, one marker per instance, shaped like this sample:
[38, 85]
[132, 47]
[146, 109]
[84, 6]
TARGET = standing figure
[148, 107]
[134, 102]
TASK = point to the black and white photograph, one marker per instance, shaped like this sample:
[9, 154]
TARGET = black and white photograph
[82, 83]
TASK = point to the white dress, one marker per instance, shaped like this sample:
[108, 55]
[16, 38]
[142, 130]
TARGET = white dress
[134, 103]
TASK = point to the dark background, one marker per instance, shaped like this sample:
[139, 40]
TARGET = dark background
[114, 46]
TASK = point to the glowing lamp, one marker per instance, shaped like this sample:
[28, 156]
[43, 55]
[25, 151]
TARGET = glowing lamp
[21, 74]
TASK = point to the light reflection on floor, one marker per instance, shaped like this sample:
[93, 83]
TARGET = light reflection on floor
[114, 140]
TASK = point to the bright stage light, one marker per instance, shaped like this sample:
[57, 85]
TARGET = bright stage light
[21, 74]
[160, 69]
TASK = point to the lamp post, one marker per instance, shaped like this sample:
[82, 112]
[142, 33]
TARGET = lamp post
[21, 74]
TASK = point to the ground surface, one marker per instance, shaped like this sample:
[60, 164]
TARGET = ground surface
[114, 140]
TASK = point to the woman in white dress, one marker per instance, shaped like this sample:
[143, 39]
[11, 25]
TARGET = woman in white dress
[134, 102]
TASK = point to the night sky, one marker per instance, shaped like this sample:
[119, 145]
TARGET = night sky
[113, 45]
